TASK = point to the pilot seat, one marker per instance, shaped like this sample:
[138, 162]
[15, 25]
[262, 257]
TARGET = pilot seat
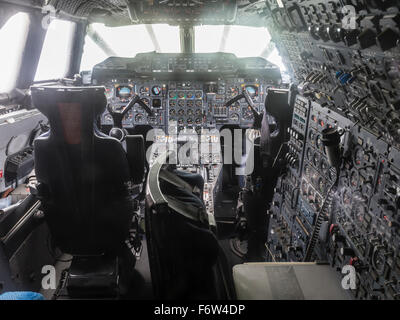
[88, 186]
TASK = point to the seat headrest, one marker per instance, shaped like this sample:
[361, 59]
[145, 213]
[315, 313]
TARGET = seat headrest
[71, 110]
[45, 98]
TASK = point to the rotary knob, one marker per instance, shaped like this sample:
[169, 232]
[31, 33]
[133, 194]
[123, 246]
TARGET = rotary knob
[388, 39]
[367, 38]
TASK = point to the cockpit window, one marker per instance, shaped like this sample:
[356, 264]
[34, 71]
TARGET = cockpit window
[56, 52]
[103, 42]
[242, 41]
[13, 37]
[239, 40]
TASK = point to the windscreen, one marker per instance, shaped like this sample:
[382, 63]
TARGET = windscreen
[102, 41]
[242, 41]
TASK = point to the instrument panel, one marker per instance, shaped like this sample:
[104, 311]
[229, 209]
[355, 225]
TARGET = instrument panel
[185, 105]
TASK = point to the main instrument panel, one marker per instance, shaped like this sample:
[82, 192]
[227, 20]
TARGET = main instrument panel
[187, 104]
[186, 91]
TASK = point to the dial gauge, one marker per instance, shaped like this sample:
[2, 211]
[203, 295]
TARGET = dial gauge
[139, 117]
[156, 90]
[124, 92]
[252, 90]
[234, 117]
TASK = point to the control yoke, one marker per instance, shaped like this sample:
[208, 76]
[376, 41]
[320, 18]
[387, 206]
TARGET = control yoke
[117, 131]
[245, 95]
[119, 116]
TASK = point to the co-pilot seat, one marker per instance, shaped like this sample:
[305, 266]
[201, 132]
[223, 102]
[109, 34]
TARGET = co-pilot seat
[86, 186]
[183, 251]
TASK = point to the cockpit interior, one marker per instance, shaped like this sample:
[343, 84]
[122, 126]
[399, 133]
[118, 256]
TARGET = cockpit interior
[199, 150]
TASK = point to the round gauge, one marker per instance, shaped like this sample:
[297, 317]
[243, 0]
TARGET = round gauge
[189, 120]
[316, 159]
[324, 166]
[321, 185]
[181, 112]
[181, 95]
[172, 112]
[172, 103]
[190, 95]
[233, 91]
[198, 112]
[354, 179]
[234, 117]
[332, 174]
[252, 90]
[199, 94]
[139, 118]
[198, 121]
[311, 135]
[172, 95]
[190, 104]
[235, 107]
[346, 198]
[199, 103]
[189, 112]
[156, 90]
[247, 114]
[314, 178]
[317, 202]
[146, 101]
[181, 103]
[310, 194]
[180, 120]
[309, 154]
[318, 142]
[124, 92]
[358, 157]
[144, 90]
[379, 259]
[304, 187]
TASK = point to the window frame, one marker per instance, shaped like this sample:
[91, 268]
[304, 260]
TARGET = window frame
[72, 54]
[8, 15]
[33, 46]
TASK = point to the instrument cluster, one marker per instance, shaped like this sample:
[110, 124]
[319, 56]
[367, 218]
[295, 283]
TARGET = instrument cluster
[180, 106]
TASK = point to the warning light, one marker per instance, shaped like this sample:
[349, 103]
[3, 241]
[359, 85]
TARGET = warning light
[1, 174]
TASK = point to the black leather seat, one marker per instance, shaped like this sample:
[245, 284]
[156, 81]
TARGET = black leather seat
[183, 252]
[86, 179]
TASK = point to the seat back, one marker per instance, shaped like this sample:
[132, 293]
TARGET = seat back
[183, 252]
[84, 176]
[277, 107]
